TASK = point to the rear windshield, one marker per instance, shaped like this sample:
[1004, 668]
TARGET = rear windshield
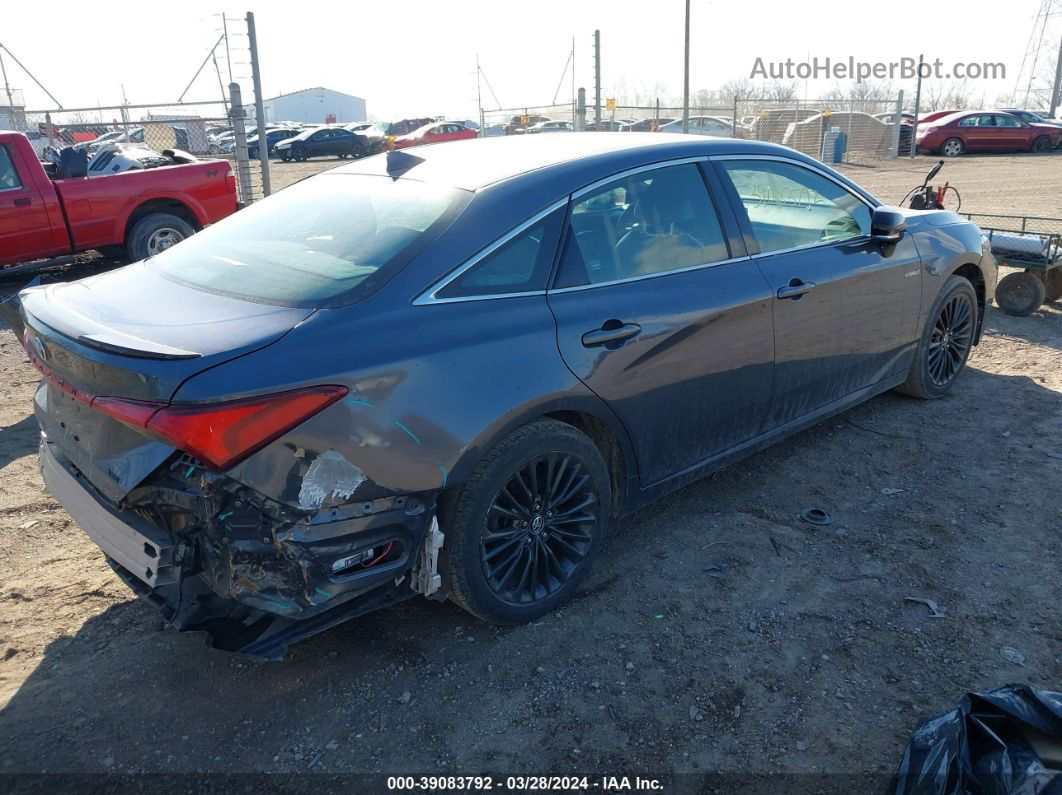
[334, 238]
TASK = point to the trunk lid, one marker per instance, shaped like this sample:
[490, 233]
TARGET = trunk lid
[130, 333]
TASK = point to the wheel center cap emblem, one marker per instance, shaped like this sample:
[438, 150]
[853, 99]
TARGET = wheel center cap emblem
[537, 523]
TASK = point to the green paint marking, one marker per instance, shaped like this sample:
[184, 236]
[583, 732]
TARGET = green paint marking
[225, 516]
[322, 591]
[412, 435]
[191, 469]
[444, 474]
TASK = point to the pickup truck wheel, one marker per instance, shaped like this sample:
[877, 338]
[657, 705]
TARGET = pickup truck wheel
[155, 233]
[947, 339]
[528, 524]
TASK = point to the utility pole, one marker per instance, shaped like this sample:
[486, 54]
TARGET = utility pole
[228, 53]
[918, 106]
[259, 105]
[479, 100]
[7, 88]
[1056, 90]
[597, 80]
[686, 77]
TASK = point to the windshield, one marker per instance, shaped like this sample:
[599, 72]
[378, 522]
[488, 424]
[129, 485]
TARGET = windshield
[332, 235]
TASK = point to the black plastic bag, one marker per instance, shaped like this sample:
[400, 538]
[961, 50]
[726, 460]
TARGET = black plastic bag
[982, 747]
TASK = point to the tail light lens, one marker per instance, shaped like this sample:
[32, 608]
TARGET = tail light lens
[223, 434]
[230, 181]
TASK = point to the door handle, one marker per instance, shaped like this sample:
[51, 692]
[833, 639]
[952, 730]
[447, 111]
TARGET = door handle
[23, 201]
[795, 289]
[611, 331]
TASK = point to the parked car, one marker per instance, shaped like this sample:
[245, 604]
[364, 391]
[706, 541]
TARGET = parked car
[394, 129]
[979, 131]
[1031, 117]
[322, 142]
[703, 125]
[936, 114]
[263, 469]
[890, 117]
[605, 125]
[550, 126]
[518, 124]
[143, 212]
[646, 125]
[435, 133]
[273, 137]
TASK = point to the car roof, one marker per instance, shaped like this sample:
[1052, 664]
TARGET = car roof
[475, 164]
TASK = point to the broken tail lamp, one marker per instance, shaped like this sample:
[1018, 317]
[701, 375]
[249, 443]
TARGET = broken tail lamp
[222, 434]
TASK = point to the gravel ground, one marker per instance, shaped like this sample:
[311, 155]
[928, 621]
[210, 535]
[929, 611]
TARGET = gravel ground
[718, 632]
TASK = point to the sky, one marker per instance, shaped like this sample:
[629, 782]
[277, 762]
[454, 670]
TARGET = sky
[418, 57]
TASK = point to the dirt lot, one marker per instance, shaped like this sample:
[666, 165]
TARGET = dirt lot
[718, 633]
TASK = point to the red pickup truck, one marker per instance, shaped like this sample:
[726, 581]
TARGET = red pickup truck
[143, 211]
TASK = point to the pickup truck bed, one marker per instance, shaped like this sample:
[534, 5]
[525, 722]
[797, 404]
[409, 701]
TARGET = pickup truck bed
[142, 211]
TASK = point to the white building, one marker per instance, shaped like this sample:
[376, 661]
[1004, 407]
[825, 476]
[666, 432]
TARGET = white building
[315, 106]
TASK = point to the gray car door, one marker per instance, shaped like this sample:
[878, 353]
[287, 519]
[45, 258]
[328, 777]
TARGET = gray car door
[661, 320]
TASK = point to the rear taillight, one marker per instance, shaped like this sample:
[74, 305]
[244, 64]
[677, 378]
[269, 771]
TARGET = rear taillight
[223, 434]
[230, 181]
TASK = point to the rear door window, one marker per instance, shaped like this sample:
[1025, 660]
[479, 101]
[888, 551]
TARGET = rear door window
[640, 225]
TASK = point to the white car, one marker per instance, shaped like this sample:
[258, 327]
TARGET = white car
[704, 125]
[550, 126]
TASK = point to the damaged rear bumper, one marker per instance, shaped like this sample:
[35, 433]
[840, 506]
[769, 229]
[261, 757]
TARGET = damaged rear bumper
[256, 583]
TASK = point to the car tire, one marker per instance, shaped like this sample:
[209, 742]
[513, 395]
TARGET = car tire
[1043, 144]
[506, 560]
[1052, 280]
[1020, 294]
[155, 233]
[953, 147]
[358, 151]
[946, 341]
[299, 154]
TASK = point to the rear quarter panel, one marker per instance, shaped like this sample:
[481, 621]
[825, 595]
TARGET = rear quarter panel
[431, 389]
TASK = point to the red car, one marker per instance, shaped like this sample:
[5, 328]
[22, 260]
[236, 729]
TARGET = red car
[970, 131]
[436, 133]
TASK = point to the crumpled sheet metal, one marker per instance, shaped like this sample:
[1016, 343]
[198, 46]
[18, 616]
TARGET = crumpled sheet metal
[983, 747]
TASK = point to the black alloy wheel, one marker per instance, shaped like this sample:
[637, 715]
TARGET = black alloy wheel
[951, 339]
[539, 527]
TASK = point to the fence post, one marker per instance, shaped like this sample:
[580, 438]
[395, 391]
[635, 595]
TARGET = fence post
[580, 111]
[239, 135]
[848, 144]
[48, 121]
[734, 118]
[259, 106]
[917, 109]
[898, 122]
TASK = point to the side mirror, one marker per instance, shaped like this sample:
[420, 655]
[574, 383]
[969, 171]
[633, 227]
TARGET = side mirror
[887, 225]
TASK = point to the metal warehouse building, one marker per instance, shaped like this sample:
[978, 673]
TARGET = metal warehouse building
[316, 106]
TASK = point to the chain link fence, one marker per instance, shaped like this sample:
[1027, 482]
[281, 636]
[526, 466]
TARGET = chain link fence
[869, 130]
[124, 137]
